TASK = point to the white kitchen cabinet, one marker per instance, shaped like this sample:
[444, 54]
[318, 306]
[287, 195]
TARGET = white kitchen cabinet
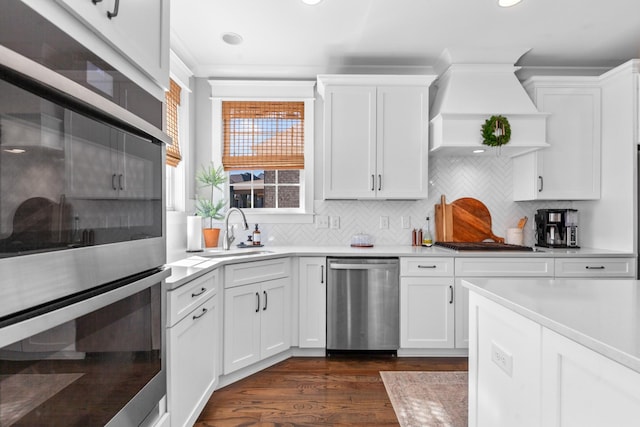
[257, 312]
[581, 388]
[104, 163]
[504, 367]
[467, 268]
[570, 168]
[595, 267]
[312, 283]
[194, 347]
[426, 303]
[375, 136]
[144, 44]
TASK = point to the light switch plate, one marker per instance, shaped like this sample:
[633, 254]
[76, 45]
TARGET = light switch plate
[334, 222]
[406, 221]
[384, 222]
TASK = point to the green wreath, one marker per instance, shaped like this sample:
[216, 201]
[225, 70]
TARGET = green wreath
[496, 131]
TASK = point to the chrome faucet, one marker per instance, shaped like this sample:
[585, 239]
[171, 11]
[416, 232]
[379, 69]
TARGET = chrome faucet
[228, 236]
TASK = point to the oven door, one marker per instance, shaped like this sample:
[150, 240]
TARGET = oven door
[93, 359]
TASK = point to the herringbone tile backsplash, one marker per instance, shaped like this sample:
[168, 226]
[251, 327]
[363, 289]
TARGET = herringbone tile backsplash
[488, 179]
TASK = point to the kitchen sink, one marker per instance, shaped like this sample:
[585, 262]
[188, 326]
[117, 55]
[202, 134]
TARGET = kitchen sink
[228, 254]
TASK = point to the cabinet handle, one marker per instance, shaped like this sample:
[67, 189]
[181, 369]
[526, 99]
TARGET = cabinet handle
[427, 266]
[373, 182]
[601, 267]
[202, 291]
[197, 316]
[113, 182]
[322, 274]
[115, 10]
[450, 294]
[258, 306]
[95, 1]
[265, 300]
[379, 182]
[121, 181]
[541, 186]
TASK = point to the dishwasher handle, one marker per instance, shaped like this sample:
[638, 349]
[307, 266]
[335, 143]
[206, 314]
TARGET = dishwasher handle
[338, 266]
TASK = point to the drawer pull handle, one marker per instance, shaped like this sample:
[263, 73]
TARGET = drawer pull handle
[115, 10]
[427, 266]
[202, 291]
[265, 300]
[204, 311]
[258, 306]
[450, 294]
[601, 267]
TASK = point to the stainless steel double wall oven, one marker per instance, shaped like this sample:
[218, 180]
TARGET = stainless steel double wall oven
[82, 240]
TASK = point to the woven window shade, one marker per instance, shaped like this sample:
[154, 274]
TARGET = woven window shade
[173, 101]
[263, 135]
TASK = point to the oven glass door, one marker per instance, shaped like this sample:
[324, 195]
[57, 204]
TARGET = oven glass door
[71, 177]
[86, 370]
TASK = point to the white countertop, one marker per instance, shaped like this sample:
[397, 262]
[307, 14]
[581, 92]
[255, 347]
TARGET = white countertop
[199, 263]
[603, 315]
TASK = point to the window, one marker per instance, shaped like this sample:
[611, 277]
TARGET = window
[263, 149]
[177, 119]
[262, 139]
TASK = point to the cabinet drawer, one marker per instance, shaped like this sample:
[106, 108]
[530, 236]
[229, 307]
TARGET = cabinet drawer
[595, 267]
[509, 267]
[184, 299]
[426, 266]
[256, 271]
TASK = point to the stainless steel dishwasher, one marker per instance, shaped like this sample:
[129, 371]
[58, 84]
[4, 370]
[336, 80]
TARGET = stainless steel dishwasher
[363, 304]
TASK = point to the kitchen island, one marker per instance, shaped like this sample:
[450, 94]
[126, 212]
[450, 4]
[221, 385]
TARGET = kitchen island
[554, 352]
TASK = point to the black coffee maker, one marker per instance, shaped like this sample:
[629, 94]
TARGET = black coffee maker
[557, 228]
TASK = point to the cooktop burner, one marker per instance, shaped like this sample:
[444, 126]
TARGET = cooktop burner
[483, 246]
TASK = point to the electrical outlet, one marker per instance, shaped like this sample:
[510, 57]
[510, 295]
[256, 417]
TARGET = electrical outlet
[322, 221]
[384, 222]
[334, 222]
[406, 221]
[502, 358]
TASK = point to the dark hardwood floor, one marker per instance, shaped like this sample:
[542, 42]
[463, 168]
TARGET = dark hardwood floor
[343, 390]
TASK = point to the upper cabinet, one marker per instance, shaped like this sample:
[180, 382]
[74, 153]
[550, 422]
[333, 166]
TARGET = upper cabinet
[138, 29]
[570, 168]
[375, 136]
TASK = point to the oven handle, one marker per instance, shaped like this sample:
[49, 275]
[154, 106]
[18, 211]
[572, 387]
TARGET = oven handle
[26, 328]
[336, 266]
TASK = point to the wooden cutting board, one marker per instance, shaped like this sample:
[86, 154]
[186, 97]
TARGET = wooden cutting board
[464, 220]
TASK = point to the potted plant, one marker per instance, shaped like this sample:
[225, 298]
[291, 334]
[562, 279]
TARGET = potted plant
[213, 178]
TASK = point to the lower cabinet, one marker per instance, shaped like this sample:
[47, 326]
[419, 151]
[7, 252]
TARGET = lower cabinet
[312, 283]
[256, 319]
[426, 303]
[193, 343]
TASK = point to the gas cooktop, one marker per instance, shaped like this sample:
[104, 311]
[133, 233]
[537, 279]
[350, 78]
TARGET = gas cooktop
[483, 246]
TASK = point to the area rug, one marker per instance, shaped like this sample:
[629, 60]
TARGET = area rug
[426, 399]
[22, 393]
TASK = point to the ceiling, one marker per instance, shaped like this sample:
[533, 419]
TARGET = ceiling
[288, 39]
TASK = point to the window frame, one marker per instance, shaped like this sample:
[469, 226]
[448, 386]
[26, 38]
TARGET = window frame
[278, 91]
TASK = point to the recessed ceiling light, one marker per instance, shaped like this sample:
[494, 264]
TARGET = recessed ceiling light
[478, 151]
[232, 38]
[311, 2]
[15, 150]
[508, 3]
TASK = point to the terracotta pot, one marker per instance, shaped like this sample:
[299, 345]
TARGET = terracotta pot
[211, 236]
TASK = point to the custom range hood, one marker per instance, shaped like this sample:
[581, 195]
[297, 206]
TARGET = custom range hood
[473, 86]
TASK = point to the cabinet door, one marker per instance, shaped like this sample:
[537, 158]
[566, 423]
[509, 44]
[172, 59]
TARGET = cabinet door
[275, 327]
[426, 312]
[313, 302]
[147, 45]
[402, 142]
[241, 326]
[349, 142]
[193, 362]
[570, 168]
[462, 315]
